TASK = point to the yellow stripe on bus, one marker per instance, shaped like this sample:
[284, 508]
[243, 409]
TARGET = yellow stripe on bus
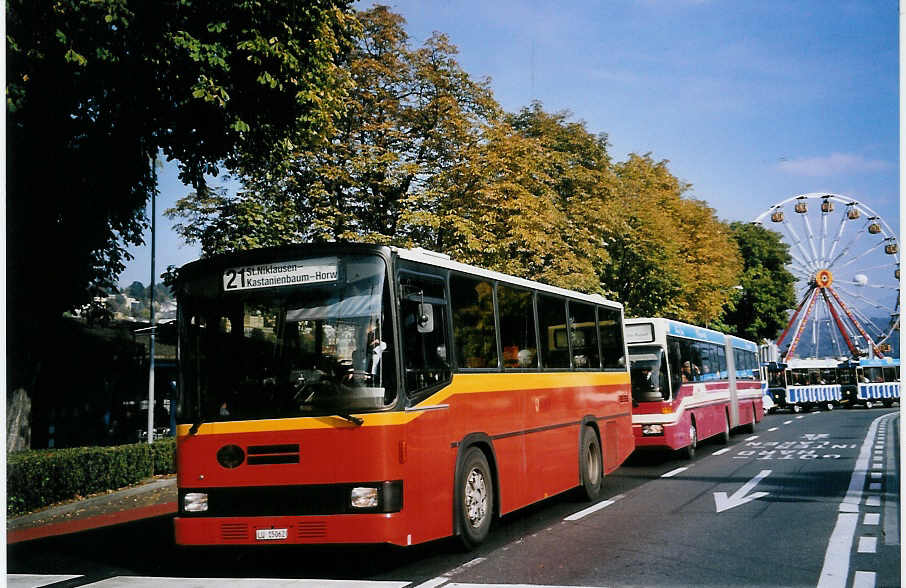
[461, 384]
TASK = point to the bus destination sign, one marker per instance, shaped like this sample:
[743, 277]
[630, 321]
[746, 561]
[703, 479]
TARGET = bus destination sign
[283, 273]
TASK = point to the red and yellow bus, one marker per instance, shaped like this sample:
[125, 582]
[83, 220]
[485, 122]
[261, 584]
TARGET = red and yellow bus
[368, 394]
[690, 383]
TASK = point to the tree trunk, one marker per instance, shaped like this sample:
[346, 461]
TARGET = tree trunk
[18, 421]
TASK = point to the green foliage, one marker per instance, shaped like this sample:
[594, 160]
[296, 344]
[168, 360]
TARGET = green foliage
[410, 114]
[768, 288]
[670, 255]
[423, 155]
[163, 454]
[35, 479]
[97, 89]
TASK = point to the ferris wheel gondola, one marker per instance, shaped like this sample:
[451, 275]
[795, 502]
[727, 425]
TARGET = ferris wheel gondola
[845, 258]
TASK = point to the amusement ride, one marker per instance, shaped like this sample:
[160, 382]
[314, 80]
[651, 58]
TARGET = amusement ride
[846, 263]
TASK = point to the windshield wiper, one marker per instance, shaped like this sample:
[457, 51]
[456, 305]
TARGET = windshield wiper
[352, 419]
[195, 426]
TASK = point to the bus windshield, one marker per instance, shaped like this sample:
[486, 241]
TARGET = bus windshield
[776, 378]
[299, 350]
[648, 373]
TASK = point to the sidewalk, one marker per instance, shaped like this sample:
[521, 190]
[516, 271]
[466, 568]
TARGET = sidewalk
[153, 498]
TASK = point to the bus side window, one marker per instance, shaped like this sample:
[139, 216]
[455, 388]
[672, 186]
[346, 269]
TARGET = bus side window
[474, 333]
[720, 359]
[517, 327]
[424, 332]
[703, 350]
[584, 335]
[610, 331]
[554, 340]
[674, 355]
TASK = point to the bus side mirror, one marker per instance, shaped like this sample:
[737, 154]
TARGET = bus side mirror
[425, 322]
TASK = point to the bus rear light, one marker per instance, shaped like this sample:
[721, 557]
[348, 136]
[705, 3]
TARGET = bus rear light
[666, 409]
[652, 429]
[195, 502]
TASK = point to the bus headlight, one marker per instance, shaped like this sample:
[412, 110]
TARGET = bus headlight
[364, 498]
[652, 429]
[195, 502]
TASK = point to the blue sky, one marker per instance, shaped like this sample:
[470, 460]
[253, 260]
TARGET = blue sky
[751, 102]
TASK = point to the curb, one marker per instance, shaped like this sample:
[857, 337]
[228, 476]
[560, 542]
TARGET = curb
[87, 523]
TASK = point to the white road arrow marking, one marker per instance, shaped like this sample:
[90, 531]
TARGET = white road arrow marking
[741, 496]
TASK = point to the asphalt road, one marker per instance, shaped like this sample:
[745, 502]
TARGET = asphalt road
[805, 500]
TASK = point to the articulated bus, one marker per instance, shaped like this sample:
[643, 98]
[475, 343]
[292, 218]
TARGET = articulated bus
[368, 394]
[690, 383]
[870, 382]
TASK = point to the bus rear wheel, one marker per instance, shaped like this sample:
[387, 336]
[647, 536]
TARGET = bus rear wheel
[591, 471]
[474, 498]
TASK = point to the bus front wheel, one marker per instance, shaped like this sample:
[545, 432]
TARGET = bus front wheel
[591, 471]
[475, 498]
[688, 452]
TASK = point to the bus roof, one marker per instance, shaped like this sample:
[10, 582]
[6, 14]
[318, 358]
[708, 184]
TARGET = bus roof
[283, 252]
[444, 261]
[880, 362]
[681, 329]
[802, 363]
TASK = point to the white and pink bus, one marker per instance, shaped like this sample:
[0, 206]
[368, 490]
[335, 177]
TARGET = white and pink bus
[689, 384]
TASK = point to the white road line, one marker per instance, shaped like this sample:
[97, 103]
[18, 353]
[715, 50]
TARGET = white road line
[591, 509]
[752, 438]
[147, 581]
[892, 508]
[864, 580]
[434, 582]
[672, 473]
[835, 571]
[721, 451]
[868, 544]
[788, 422]
[35, 580]
[800, 417]
[773, 429]
[836, 559]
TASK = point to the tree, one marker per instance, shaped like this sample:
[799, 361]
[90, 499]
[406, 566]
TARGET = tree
[136, 290]
[768, 287]
[96, 89]
[522, 200]
[670, 256]
[409, 114]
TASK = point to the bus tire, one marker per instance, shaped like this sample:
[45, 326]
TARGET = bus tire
[724, 437]
[474, 498]
[591, 469]
[869, 404]
[797, 408]
[688, 452]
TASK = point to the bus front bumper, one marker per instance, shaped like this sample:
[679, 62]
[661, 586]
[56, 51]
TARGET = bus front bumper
[277, 530]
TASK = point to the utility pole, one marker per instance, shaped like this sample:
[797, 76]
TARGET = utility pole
[151, 308]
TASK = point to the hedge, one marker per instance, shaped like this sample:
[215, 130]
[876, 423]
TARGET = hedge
[41, 477]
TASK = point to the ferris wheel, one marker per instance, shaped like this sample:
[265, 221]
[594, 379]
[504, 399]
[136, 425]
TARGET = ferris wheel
[846, 261]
